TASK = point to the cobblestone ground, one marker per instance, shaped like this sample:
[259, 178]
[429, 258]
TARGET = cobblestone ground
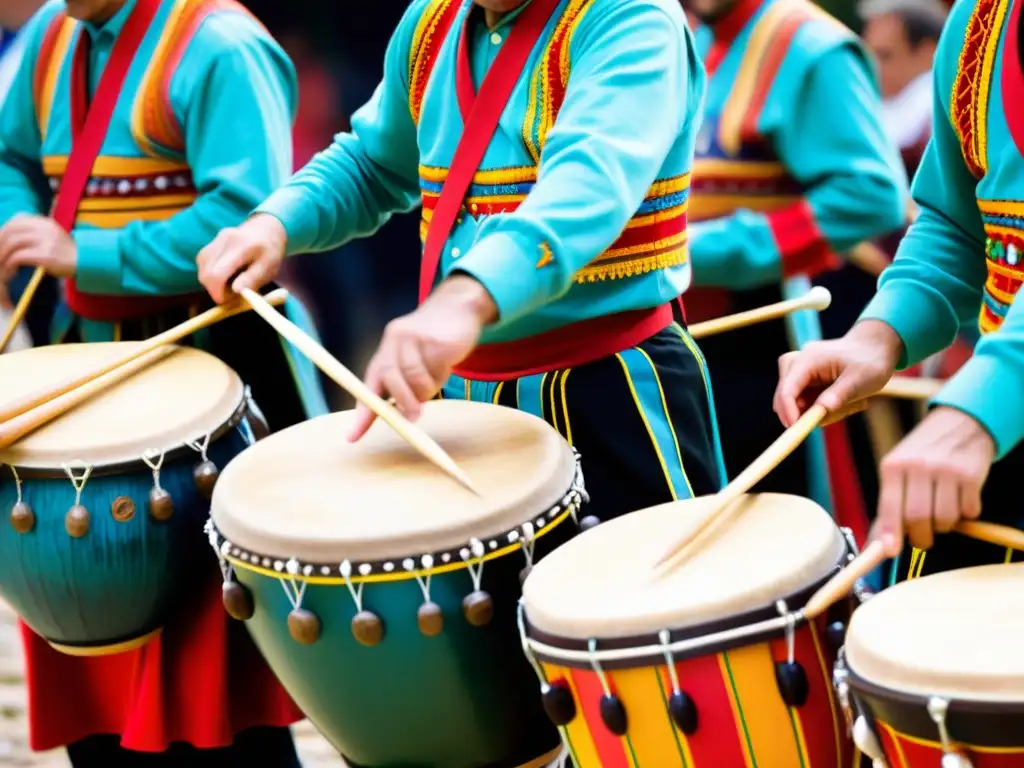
[14, 752]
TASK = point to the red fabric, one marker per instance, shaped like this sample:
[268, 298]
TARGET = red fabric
[201, 682]
[561, 347]
[803, 247]
[725, 31]
[768, 68]
[707, 303]
[89, 129]
[479, 126]
[849, 509]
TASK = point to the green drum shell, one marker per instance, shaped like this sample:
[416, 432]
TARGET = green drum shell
[119, 581]
[465, 698]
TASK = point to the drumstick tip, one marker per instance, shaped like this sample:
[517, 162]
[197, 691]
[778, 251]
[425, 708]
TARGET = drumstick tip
[819, 298]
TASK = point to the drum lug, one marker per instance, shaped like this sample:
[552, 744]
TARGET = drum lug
[790, 675]
[558, 703]
[938, 710]
[866, 741]
[840, 684]
[613, 714]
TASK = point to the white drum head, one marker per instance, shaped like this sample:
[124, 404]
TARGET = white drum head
[180, 398]
[957, 634]
[602, 584]
[308, 493]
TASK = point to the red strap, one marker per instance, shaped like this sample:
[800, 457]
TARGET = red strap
[479, 127]
[90, 122]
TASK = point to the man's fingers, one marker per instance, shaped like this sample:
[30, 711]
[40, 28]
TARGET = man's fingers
[889, 520]
[415, 371]
[947, 503]
[364, 417]
[398, 388]
[798, 377]
[843, 390]
[919, 509]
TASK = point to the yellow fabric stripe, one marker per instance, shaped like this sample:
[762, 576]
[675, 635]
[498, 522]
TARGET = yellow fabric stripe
[704, 206]
[1001, 207]
[760, 169]
[576, 733]
[766, 717]
[117, 167]
[515, 175]
[1014, 273]
[149, 87]
[118, 220]
[54, 66]
[657, 216]
[650, 728]
[129, 203]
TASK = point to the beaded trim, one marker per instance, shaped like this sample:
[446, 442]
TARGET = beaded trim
[469, 555]
[1004, 252]
[430, 34]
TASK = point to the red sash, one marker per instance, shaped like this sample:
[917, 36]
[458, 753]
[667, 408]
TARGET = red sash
[89, 125]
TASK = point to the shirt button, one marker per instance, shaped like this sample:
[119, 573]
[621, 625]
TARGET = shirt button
[456, 253]
[496, 38]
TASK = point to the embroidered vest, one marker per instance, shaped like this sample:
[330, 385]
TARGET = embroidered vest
[655, 238]
[969, 113]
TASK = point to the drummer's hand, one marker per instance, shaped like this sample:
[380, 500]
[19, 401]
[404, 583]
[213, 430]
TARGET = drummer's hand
[418, 351]
[933, 479]
[255, 249]
[36, 241]
[835, 373]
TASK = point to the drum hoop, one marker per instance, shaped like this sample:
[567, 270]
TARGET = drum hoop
[124, 467]
[715, 636]
[858, 685]
[447, 561]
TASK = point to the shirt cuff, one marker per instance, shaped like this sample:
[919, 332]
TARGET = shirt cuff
[518, 278]
[297, 215]
[98, 268]
[802, 246]
[909, 309]
[987, 389]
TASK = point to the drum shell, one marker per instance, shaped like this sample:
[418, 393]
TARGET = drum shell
[465, 698]
[119, 581]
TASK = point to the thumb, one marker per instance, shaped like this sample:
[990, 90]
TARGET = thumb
[363, 421]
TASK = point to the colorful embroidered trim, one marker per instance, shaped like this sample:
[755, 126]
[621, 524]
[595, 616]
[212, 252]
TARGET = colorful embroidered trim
[968, 109]
[431, 32]
[1004, 254]
[655, 238]
[124, 190]
[551, 79]
[53, 52]
[721, 187]
[154, 126]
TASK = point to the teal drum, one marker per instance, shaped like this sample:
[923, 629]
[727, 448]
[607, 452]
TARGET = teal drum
[384, 594]
[103, 508]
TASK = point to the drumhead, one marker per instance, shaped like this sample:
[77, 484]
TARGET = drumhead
[178, 399]
[602, 584]
[955, 634]
[307, 493]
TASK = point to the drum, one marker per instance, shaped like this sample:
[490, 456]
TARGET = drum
[384, 594]
[104, 507]
[708, 666]
[934, 671]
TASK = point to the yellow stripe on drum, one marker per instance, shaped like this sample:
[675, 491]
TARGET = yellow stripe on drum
[651, 732]
[765, 717]
[577, 733]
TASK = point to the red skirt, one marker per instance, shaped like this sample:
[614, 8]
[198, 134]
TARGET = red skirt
[200, 682]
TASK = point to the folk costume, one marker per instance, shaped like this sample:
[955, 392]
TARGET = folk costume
[792, 168]
[959, 265]
[197, 134]
[574, 219]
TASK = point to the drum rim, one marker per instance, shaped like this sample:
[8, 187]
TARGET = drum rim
[242, 410]
[467, 555]
[861, 685]
[753, 626]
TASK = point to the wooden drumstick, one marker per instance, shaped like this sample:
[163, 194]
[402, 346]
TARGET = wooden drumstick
[911, 388]
[786, 443]
[352, 384]
[16, 428]
[818, 298]
[869, 258]
[177, 333]
[22, 307]
[839, 586]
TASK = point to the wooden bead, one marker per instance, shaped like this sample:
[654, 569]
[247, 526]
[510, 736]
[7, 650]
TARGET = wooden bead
[478, 608]
[206, 475]
[123, 509]
[588, 522]
[431, 619]
[76, 522]
[161, 506]
[23, 519]
[367, 628]
[304, 626]
[237, 601]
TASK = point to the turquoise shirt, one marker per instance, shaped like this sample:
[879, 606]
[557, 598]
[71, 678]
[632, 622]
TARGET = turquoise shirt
[813, 171]
[552, 247]
[959, 264]
[233, 94]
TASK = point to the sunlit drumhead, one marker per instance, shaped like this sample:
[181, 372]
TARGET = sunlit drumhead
[178, 399]
[306, 492]
[957, 634]
[602, 584]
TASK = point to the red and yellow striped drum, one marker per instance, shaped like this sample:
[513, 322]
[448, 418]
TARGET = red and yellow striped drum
[709, 666]
[933, 668]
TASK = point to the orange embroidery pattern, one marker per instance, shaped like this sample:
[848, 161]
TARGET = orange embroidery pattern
[53, 52]
[969, 103]
[431, 32]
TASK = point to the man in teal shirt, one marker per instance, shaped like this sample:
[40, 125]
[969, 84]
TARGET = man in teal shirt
[200, 133]
[558, 277]
[959, 265]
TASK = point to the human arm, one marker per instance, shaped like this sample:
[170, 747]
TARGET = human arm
[830, 140]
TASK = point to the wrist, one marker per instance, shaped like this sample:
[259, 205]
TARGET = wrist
[470, 295]
[879, 336]
[270, 230]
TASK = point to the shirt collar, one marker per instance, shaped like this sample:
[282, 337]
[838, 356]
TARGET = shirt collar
[727, 28]
[507, 19]
[113, 26]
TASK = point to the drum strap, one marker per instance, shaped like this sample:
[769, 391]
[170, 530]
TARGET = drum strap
[480, 114]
